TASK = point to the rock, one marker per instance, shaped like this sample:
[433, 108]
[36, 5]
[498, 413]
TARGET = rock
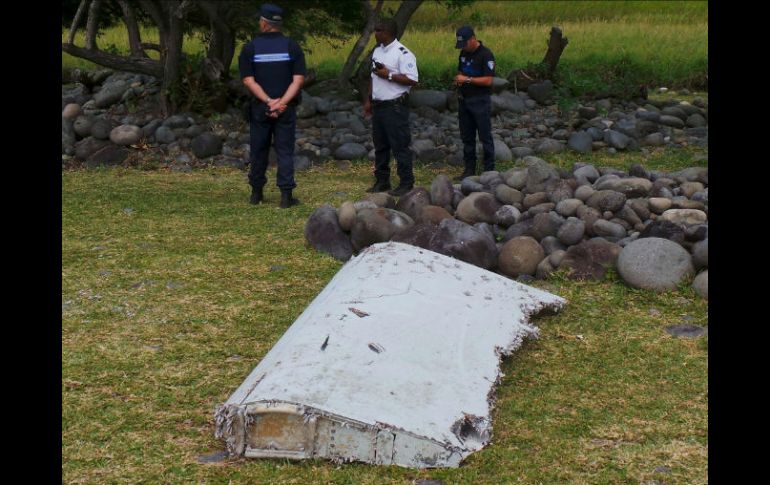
[428, 97]
[586, 174]
[508, 195]
[88, 146]
[571, 232]
[545, 224]
[671, 121]
[665, 230]
[464, 242]
[413, 201]
[520, 255]
[71, 111]
[67, 135]
[568, 207]
[502, 152]
[110, 94]
[441, 191]
[616, 139]
[700, 254]
[507, 216]
[517, 179]
[125, 135]
[549, 146]
[307, 106]
[107, 156]
[539, 174]
[522, 152]
[606, 200]
[590, 259]
[376, 225]
[164, 134]
[684, 217]
[659, 205]
[701, 285]
[379, 199]
[206, 145]
[346, 215]
[541, 92]
[177, 121]
[629, 186]
[689, 189]
[583, 192]
[551, 244]
[350, 151]
[580, 142]
[419, 234]
[82, 125]
[324, 233]
[654, 263]
[603, 228]
[433, 214]
[695, 120]
[503, 103]
[477, 207]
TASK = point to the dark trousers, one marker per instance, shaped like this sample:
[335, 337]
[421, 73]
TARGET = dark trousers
[281, 132]
[390, 132]
[475, 115]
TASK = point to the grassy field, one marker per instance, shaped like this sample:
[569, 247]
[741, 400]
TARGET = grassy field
[174, 287]
[654, 43]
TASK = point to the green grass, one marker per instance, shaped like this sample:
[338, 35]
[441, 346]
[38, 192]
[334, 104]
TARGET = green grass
[654, 43]
[174, 287]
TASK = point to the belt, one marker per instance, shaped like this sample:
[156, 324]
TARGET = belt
[388, 102]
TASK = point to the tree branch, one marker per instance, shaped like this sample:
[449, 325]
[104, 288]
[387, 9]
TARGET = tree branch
[112, 61]
[360, 44]
[92, 25]
[134, 38]
[76, 21]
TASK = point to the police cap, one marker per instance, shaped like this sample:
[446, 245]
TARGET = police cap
[463, 34]
[271, 13]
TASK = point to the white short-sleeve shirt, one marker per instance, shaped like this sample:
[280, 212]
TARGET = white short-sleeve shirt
[398, 60]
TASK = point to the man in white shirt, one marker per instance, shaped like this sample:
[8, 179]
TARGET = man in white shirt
[394, 72]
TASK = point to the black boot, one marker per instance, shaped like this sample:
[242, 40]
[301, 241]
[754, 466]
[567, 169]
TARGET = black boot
[287, 200]
[256, 195]
[401, 190]
[379, 187]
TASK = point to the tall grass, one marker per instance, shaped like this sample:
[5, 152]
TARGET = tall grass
[654, 43]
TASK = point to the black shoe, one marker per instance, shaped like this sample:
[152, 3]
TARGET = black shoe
[401, 190]
[287, 200]
[463, 176]
[256, 195]
[379, 187]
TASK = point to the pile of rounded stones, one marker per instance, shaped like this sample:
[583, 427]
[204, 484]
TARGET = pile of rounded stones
[534, 219]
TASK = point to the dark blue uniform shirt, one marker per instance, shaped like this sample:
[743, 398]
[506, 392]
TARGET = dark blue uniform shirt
[272, 59]
[481, 62]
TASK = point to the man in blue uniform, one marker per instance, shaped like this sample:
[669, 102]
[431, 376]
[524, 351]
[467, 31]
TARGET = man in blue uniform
[394, 72]
[474, 80]
[272, 67]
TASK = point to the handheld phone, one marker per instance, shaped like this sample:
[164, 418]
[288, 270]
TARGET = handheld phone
[378, 65]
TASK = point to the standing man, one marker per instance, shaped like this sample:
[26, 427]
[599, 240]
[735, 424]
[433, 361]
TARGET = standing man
[474, 80]
[394, 72]
[273, 69]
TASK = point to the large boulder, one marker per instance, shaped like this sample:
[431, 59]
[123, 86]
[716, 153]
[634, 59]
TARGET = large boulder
[428, 97]
[466, 243]
[377, 225]
[540, 174]
[323, 232]
[520, 255]
[206, 144]
[654, 263]
[478, 207]
[413, 201]
[441, 191]
[110, 94]
[590, 259]
[350, 151]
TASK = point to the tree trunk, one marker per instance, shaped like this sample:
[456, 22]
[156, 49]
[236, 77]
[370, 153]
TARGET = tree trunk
[92, 25]
[556, 45]
[403, 14]
[76, 21]
[363, 39]
[134, 38]
[523, 78]
[222, 45]
[171, 56]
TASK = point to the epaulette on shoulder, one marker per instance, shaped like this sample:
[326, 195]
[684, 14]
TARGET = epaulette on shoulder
[402, 49]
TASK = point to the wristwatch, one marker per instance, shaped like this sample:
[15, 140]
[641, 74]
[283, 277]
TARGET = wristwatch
[390, 76]
[468, 80]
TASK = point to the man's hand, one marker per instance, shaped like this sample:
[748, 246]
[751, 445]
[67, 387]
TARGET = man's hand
[275, 108]
[367, 108]
[460, 79]
[382, 72]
